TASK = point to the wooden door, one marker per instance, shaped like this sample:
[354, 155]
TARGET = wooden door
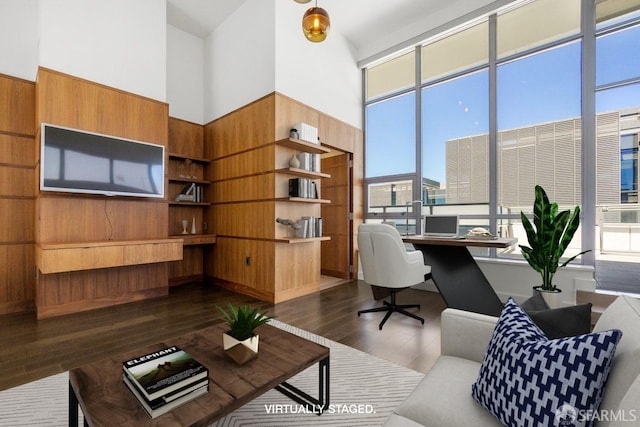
[336, 253]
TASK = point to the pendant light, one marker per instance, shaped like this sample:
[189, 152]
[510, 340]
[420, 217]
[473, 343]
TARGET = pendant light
[315, 24]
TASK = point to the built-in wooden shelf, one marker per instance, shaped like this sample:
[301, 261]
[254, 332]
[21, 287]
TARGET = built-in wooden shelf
[301, 200]
[176, 203]
[302, 239]
[76, 256]
[189, 180]
[303, 173]
[196, 239]
[193, 159]
[307, 147]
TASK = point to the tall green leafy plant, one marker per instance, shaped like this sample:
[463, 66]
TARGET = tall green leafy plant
[548, 237]
[243, 320]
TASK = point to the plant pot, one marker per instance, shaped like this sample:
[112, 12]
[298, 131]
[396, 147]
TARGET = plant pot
[240, 351]
[552, 298]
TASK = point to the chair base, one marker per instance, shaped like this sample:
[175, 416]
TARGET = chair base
[391, 307]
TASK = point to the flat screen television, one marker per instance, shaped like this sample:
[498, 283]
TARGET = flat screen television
[83, 162]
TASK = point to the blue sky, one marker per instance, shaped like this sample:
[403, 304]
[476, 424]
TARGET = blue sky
[536, 89]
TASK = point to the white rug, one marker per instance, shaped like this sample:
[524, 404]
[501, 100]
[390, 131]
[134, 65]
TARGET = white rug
[363, 391]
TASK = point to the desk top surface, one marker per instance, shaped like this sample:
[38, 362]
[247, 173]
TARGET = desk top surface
[501, 242]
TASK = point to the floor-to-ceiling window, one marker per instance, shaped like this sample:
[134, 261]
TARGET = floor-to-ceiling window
[496, 107]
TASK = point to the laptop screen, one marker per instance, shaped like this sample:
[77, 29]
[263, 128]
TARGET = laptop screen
[443, 225]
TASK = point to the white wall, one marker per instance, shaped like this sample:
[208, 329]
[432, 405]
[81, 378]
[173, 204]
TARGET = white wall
[322, 75]
[119, 43]
[239, 59]
[185, 75]
[19, 35]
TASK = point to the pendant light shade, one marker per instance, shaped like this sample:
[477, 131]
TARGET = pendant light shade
[315, 24]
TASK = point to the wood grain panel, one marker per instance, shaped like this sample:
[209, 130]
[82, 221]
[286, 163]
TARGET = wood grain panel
[249, 162]
[17, 220]
[17, 181]
[87, 219]
[249, 220]
[297, 270]
[258, 187]
[248, 127]
[190, 265]
[232, 268]
[17, 150]
[17, 105]
[337, 134]
[17, 276]
[290, 112]
[177, 213]
[81, 104]
[65, 293]
[186, 138]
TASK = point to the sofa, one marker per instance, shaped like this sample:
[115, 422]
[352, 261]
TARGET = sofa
[444, 396]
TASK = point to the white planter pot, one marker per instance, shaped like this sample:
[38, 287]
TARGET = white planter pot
[240, 351]
[552, 298]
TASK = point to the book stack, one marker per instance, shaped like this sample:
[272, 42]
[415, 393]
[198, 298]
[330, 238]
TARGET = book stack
[303, 187]
[307, 133]
[311, 227]
[190, 193]
[165, 379]
[309, 161]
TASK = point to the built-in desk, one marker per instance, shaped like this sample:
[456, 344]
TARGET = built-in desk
[456, 273]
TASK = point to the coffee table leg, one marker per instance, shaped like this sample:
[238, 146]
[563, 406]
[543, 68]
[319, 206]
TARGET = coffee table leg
[73, 407]
[312, 404]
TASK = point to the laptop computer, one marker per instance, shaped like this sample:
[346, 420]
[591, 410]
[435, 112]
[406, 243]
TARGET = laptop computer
[440, 226]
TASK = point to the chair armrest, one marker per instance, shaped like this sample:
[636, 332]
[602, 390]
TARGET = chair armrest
[415, 256]
[465, 334]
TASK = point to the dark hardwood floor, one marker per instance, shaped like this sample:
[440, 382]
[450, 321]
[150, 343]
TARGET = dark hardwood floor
[31, 349]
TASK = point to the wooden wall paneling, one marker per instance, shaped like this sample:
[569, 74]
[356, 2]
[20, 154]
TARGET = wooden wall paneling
[86, 290]
[250, 162]
[256, 187]
[17, 278]
[88, 219]
[253, 220]
[190, 268]
[73, 102]
[186, 138]
[17, 220]
[228, 266]
[81, 104]
[17, 106]
[248, 127]
[17, 194]
[297, 270]
[290, 112]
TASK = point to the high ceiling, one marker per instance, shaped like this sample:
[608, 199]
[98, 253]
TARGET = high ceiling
[352, 18]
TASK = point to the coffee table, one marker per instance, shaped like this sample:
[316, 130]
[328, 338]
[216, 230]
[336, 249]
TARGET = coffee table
[97, 388]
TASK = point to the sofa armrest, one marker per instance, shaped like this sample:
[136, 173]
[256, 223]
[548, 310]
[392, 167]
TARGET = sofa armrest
[465, 334]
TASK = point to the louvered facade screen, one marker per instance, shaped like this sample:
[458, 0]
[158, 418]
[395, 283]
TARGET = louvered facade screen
[548, 154]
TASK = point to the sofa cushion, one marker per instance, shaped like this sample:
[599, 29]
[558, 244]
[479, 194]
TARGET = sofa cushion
[526, 379]
[442, 398]
[624, 314]
[558, 322]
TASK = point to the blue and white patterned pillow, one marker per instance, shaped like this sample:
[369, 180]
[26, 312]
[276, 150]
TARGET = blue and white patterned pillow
[528, 380]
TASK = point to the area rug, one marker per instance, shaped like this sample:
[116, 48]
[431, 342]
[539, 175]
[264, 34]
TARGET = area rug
[364, 390]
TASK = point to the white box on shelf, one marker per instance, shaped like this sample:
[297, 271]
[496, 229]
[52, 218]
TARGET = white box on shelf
[307, 133]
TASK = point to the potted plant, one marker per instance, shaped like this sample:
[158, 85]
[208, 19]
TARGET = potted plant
[548, 238]
[240, 343]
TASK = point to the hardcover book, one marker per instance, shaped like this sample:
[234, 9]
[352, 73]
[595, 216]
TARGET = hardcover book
[164, 371]
[162, 405]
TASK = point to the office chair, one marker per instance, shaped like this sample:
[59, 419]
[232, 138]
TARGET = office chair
[388, 266]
